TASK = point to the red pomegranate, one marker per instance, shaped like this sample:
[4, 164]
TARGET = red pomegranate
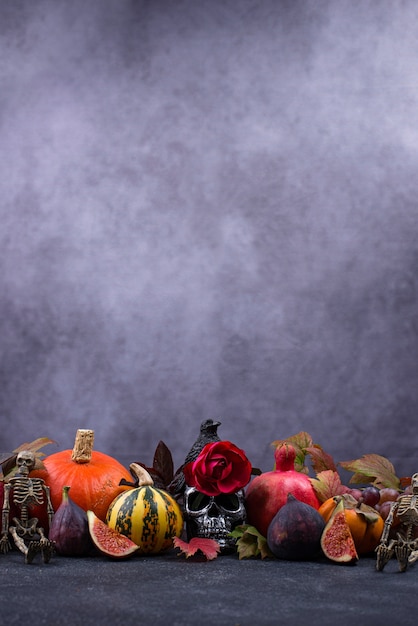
[268, 492]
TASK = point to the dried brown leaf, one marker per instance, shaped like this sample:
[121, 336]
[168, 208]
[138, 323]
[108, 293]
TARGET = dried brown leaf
[8, 459]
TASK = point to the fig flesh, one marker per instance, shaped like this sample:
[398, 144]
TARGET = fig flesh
[109, 541]
[295, 531]
[70, 529]
[337, 542]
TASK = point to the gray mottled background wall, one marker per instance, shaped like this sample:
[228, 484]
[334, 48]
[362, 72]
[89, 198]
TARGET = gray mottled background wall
[209, 209]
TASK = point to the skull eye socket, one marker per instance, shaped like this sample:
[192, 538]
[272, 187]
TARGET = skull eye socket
[229, 502]
[198, 501]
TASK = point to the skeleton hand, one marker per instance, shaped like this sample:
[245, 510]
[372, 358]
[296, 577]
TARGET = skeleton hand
[413, 557]
[384, 553]
[4, 544]
[402, 551]
[414, 544]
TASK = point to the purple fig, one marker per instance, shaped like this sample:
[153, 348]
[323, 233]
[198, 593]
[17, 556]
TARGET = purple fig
[70, 528]
[295, 531]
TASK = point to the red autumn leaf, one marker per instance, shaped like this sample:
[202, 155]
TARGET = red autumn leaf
[321, 460]
[405, 481]
[328, 484]
[208, 547]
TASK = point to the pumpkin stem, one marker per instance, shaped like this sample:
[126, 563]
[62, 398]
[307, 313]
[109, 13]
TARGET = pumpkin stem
[143, 477]
[83, 446]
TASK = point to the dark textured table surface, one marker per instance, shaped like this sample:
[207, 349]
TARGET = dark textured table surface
[170, 589]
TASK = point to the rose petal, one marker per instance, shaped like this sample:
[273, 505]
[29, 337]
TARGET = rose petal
[221, 467]
[209, 488]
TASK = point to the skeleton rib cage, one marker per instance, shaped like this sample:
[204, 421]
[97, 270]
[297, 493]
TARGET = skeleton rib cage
[408, 510]
[25, 493]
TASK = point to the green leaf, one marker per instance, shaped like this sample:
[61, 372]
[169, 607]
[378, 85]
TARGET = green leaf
[372, 468]
[250, 543]
[300, 442]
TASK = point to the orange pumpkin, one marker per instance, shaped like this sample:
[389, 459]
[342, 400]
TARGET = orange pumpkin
[364, 522]
[93, 476]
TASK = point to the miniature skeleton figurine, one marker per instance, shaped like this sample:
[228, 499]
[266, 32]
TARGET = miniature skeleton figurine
[25, 492]
[405, 547]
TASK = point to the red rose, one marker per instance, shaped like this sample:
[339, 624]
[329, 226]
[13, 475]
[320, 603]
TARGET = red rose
[221, 467]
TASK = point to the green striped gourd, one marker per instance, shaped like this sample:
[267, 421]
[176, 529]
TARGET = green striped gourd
[149, 516]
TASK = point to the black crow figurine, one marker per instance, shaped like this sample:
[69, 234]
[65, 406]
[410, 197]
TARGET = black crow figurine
[208, 434]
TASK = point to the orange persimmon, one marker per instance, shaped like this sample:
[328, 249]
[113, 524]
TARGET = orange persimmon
[364, 522]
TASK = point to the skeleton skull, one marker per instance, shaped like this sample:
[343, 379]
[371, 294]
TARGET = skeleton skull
[414, 483]
[214, 517]
[25, 462]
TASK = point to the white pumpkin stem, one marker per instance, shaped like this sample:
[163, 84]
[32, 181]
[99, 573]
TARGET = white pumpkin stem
[83, 446]
[144, 477]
